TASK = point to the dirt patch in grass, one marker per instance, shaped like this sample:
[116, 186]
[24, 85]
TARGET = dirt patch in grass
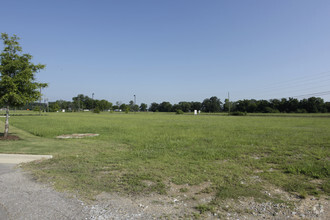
[194, 202]
[9, 138]
[66, 136]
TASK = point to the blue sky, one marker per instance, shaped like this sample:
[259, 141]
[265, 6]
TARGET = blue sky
[175, 50]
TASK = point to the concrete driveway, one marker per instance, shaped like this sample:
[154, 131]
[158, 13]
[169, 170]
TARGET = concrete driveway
[21, 158]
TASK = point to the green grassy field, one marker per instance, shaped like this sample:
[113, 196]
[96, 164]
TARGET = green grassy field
[144, 152]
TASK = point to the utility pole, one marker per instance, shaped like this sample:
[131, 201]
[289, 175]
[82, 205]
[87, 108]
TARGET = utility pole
[134, 102]
[228, 105]
[78, 104]
[40, 103]
[93, 100]
[46, 104]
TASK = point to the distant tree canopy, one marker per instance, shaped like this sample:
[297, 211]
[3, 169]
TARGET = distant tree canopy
[80, 102]
[212, 104]
[291, 105]
[183, 106]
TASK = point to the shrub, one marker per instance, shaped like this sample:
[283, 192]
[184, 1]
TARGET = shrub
[179, 112]
[237, 113]
[36, 109]
[96, 110]
[301, 110]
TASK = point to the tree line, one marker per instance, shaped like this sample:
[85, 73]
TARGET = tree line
[80, 103]
[212, 105]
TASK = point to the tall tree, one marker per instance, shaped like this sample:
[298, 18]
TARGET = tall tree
[133, 107]
[17, 80]
[165, 107]
[154, 107]
[143, 107]
[212, 104]
[185, 106]
[195, 106]
[80, 102]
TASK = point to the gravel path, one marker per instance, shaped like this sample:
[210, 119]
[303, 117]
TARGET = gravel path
[23, 198]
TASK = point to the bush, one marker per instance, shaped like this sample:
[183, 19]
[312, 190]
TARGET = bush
[301, 110]
[96, 110]
[179, 112]
[237, 113]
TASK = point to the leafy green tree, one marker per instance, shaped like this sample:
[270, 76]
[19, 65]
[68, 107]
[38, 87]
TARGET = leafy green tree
[143, 107]
[262, 106]
[54, 106]
[275, 104]
[17, 80]
[227, 105]
[124, 107]
[165, 107]
[283, 106]
[241, 105]
[102, 105]
[185, 106]
[89, 103]
[212, 104]
[154, 107]
[79, 102]
[176, 107]
[133, 107]
[292, 105]
[252, 106]
[313, 105]
[195, 106]
[327, 106]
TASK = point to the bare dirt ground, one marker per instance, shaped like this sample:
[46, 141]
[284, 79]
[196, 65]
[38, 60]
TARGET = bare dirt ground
[9, 138]
[21, 197]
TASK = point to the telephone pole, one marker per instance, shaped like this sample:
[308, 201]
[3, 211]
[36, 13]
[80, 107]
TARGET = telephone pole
[228, 105]
[40, 103]
[134, 102]
[93, 100]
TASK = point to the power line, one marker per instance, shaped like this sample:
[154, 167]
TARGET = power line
[313, 94]
[305, 83]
